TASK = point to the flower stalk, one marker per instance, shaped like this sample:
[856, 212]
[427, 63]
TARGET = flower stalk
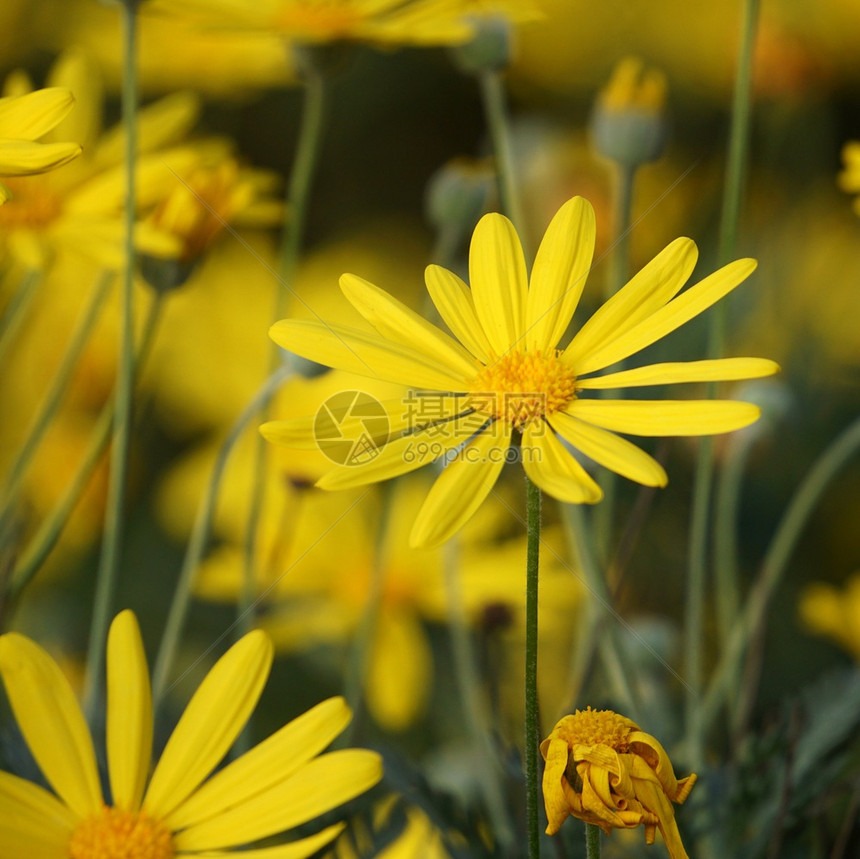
[533, 526]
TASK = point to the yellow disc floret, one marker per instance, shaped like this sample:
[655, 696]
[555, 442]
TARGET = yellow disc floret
[523, 386]
[32, 206]
[117, 834]
[596, 728]
[320, 19]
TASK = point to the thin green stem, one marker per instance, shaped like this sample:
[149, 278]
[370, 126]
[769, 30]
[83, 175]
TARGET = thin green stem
[113, 529]
[54, 397]
[16, 311]
[791, 526]
[704, 477]
[623, 211]
[200, 538]
[48, 534]
[533, 527]
[592, 841]
[298, 195]
[495, 108]
[469, 685]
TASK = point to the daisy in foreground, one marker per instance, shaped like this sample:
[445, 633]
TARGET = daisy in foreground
[601, 768]
[281, 783]
[506, 377]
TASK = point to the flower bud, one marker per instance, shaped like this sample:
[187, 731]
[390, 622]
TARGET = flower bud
[489, 49]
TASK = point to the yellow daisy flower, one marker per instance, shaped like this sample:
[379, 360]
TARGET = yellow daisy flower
[505, 375]
[385, 22]
[281, 783]
[23, 120]
[601, 768]
[834, 612]
[849, 178]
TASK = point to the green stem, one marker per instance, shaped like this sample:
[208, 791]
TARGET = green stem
[704, 477]
[48, 534]
[298, 195]
[592, 841]
[59, 386]
[469, 684]
[200, 537]
[493, 96]
[533, 526]
[16, 311]
[803, 503]
[623, 212]
[112, 540]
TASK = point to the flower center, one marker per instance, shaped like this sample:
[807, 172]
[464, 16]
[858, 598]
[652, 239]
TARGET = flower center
[596, 728]
[32, 205]
[522, 387]
[117, 834]
[318, 19]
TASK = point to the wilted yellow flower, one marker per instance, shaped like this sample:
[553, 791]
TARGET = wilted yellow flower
[601, 768]
[23, 120]
[506, 374]
[834, 612]
[281, 783]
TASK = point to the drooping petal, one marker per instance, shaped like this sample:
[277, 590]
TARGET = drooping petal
[29, 116]
[666, 417]
[558, 277]
[401, 665]
[398, 457]
[462, 487]
[714, 370]
[269, 762]
[497, 272]
[21, 157]
[211, 722]
[365, 354]
[395, 321]
[554, 751]
[51, 721]
[453, 300]
[609, 450]
[294, 850]
[33, 822]
[129, 713]
[646, 292]
[321, 785]
[679, 310]
[552, 467]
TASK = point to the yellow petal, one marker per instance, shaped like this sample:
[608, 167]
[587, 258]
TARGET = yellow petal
[666, 417]
[211, 722]
[269, 762]
[395, 321]
[462, 487]
[398, 457]
[23, 158]
[561, 267]
[77, 70]
[294, 850]
[552, 467]
[129, 712]
[321, 785]
[609, 450]
[497, 271]
[679, 310]
[400, 670]
[365, 354]
[715, 370]
[554, 751]
[33, 822]
[646, 292]
[51, 721]
[30, 116]
[453, 300]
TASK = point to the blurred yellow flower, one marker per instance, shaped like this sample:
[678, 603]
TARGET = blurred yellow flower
[601, 768]
[281, 783]
[834, 612]
[506, 375]
[23, 120]
[849, 178]
[79, 207]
